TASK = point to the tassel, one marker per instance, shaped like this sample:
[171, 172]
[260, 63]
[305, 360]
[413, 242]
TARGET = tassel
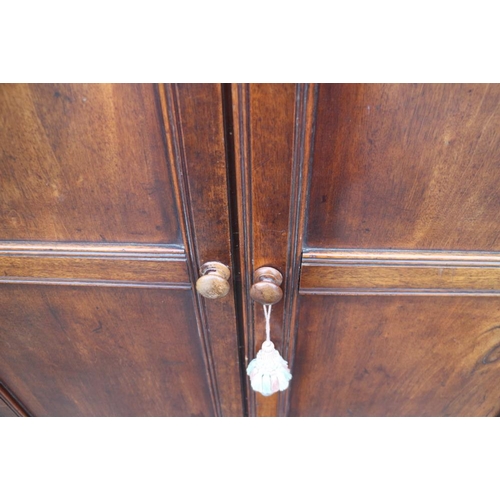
[268, 372]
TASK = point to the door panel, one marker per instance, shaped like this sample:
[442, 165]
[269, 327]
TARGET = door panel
[397, 355]
[84, 163]
[112, 198]
[400, 275]
[378, 203]
[406, 167]
[102, 351]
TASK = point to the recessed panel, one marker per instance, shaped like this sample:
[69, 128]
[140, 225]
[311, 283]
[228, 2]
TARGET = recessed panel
[406, 167]
[84, 162]
[397, 356]
[95, 351]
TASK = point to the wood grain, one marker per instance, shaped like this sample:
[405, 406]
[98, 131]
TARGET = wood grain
[121, 190]
[84, 163]
[237, 100]
[195, 138]
[5, 409]
[406, 167]
[305, 118]
[398, 311]
[94, 351]
[264, 125]
[9, 406]
[57, 263]
[273, 131]
[341, 271]
[397, 356]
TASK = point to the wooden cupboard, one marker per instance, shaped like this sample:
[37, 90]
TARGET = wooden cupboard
[378, 204]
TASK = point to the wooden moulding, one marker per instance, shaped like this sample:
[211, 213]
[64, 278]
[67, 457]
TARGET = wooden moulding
[399, 272]
[273, 137]
[93, 264]
[9, 406]
[193, 117]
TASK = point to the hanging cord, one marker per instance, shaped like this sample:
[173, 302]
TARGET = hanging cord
[267, 314]
[268, 371]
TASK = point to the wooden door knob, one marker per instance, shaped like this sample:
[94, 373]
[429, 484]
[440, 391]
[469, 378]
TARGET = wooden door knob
[213, 282]
[266, 288]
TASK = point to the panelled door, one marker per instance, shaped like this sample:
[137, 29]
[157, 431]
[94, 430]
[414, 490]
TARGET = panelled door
[380, 204]
[400, 282]
[112, 196]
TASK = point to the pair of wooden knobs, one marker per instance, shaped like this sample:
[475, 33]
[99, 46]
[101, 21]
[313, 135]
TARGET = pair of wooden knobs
[214, 283]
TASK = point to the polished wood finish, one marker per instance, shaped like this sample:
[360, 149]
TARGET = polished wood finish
[115, 195]
[93, 264]
[5, 410]
[262, 118]
[272, 136]
[406, 167]
[88, 351]
[400, 272]
[404, 356]
[213, 282]
[266, 293]
[266, 288]
[377, 203]
[84, 163]
[9, 406]
[196, 149]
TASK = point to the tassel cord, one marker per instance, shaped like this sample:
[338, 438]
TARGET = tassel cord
[267, 314]
[268, 371]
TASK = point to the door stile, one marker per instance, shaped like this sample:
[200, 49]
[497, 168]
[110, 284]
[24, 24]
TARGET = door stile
[196, 150]
[306, 102]
[272, 142]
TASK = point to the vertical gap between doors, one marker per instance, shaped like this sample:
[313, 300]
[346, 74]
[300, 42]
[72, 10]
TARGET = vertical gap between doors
[227, 111]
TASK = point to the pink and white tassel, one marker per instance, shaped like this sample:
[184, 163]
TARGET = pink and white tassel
[268, 372]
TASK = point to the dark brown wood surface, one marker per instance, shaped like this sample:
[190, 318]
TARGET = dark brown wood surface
[399, 272]
[102, 351]
[397, 356]
[9, 406]
[196, 147]
[114, 195]
[407, 167]
[269, 123]
[400, 269]
[5, 410]
[84, 163]
[382, 199]
[127, 264]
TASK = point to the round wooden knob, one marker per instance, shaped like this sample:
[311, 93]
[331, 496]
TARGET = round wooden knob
[266, 288]
[213, 282]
